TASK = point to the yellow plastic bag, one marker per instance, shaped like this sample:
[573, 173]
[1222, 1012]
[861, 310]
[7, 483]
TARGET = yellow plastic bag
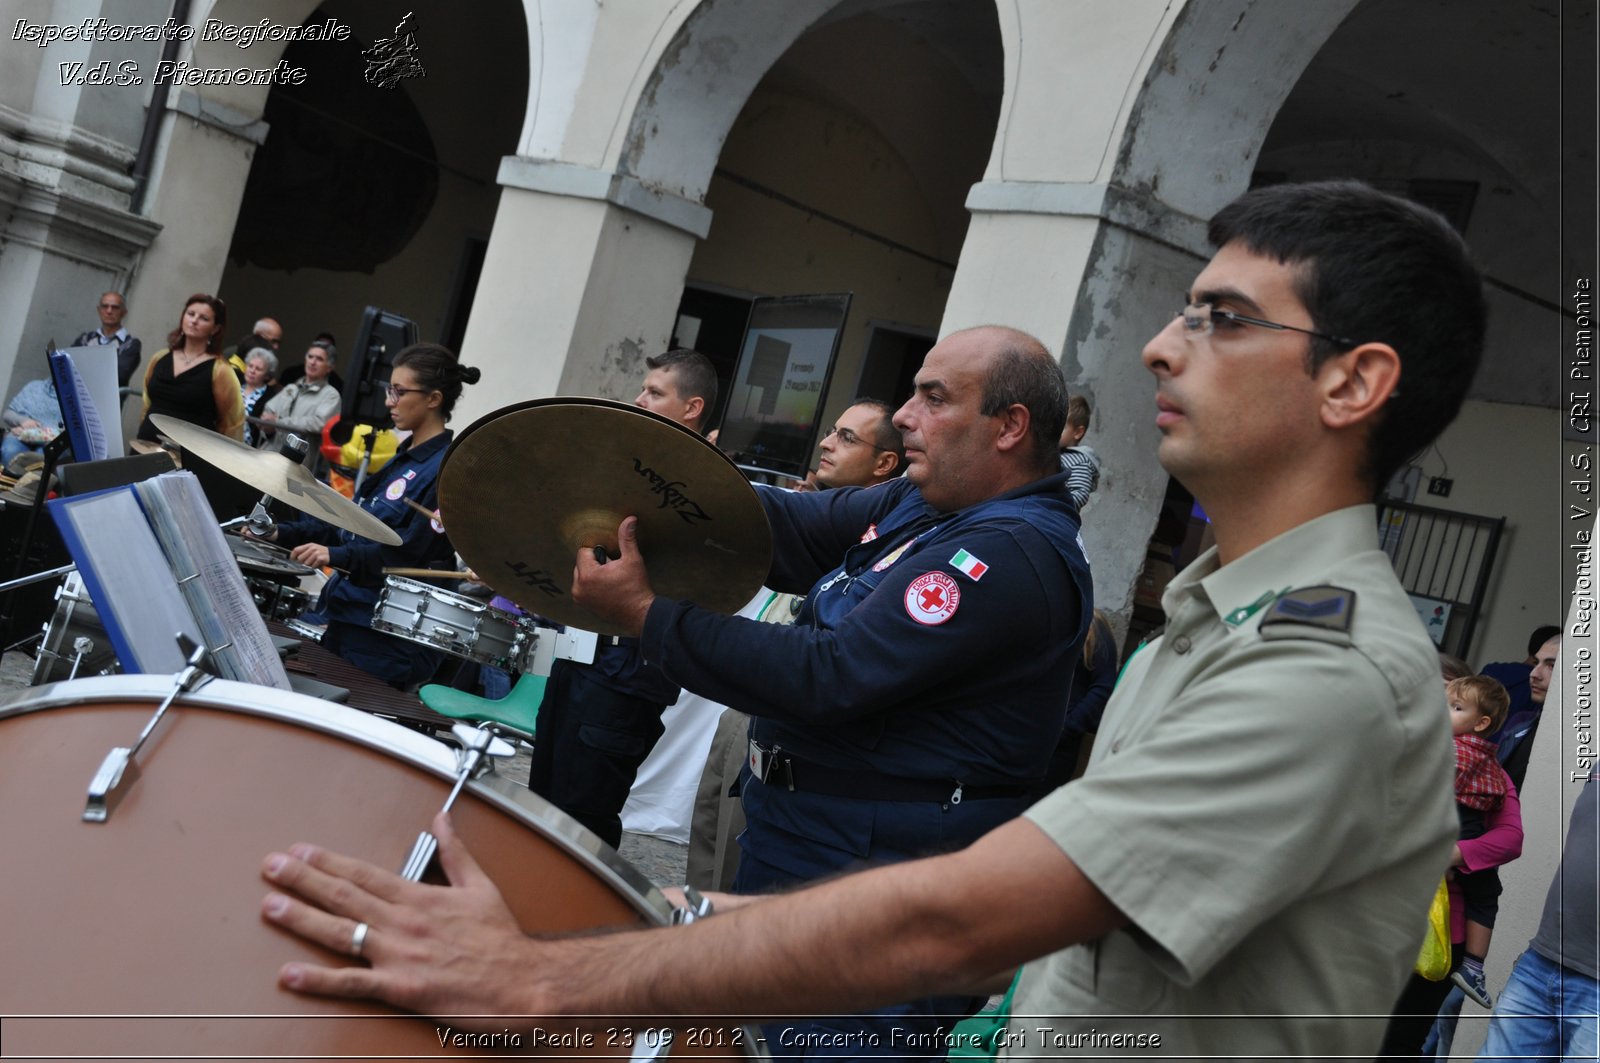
[1433, 962]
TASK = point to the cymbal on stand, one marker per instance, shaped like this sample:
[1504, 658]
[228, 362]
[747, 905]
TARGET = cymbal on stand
[528, 486]
[271, 473]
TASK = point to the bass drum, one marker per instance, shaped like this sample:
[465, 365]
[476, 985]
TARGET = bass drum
[73, 637]
[140, 936]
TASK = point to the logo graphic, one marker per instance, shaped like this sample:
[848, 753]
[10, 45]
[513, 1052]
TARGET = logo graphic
[397, 487]
[391, 60]
[932, 598]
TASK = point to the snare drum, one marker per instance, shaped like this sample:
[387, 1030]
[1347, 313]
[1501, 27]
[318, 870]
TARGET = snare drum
[278, 601]
[150, 920]
[455, 624]
[74, 636]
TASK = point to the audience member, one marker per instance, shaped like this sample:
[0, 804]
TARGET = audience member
[1425, 1010]
[326, 341]
[1477, 709]
[599, 721]
[32, 419]
[260, 384]
[304, 406]
[1513, 675]
[189, 380]
[1515, 739]
[266, 333]
[1080, 463]
[112, 308]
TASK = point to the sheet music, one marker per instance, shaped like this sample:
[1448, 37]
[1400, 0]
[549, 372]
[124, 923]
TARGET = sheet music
[217, 596]
[84, 426]
[126, 573]
[97, 368]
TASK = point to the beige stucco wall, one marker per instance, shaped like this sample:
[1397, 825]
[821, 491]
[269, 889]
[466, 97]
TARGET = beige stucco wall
[1506, 461]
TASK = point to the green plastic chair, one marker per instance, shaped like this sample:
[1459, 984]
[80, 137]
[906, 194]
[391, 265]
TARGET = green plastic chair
[518, 709]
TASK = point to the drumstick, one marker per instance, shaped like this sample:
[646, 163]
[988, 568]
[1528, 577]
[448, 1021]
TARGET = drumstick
[420, 508]
[425, 573]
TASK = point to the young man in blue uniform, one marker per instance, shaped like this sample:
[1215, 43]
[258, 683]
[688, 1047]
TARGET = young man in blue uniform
[1243, 867]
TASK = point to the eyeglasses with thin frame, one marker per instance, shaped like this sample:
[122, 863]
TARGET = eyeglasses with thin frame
[1201, 319]
[850, 439]
[396, 392]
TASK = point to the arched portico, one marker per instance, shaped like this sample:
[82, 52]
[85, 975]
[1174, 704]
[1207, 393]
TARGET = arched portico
[1090, 219]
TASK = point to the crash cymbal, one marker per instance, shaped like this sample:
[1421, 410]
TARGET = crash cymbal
[525, 488]
[271, 473]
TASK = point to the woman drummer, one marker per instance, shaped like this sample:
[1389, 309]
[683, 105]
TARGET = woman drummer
[423, 388]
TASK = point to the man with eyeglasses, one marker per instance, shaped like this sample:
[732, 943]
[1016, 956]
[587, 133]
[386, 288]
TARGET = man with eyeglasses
[1246, 865]
[862, 448]
[112, 308]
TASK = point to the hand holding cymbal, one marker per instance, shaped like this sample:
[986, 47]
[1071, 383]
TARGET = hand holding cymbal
[616, 590]
[526, 488]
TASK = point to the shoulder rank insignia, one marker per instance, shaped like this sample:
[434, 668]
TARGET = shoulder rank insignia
[1320, 612]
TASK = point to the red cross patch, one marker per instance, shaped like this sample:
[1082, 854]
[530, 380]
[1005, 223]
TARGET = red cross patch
[932, 598]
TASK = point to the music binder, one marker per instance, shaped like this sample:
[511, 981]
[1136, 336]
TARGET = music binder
[85, 428]
[156, 564]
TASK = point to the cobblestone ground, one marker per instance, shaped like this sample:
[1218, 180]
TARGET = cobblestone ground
[661, 861]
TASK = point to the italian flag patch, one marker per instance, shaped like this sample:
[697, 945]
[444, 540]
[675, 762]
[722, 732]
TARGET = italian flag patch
[968, 565]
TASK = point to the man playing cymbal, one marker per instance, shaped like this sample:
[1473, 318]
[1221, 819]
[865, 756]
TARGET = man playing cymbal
[599, 721]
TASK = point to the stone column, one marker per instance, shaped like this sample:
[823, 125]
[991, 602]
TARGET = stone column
[580, 284]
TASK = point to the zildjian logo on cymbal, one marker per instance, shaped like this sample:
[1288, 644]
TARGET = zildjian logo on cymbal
[670, 494]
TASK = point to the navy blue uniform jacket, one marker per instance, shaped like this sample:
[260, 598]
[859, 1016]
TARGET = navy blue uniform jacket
[946, 659]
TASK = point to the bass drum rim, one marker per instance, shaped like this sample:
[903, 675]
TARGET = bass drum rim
[374, 733]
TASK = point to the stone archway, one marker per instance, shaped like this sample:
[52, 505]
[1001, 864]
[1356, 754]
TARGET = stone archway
[1090, 219]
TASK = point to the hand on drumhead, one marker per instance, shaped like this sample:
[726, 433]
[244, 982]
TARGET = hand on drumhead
[314, 555]
[618, 590]
[440, 950]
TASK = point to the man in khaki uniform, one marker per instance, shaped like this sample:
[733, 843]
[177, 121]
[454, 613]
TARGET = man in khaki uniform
[1249, 857]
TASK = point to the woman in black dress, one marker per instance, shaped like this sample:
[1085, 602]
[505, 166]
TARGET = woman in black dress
[190, 380]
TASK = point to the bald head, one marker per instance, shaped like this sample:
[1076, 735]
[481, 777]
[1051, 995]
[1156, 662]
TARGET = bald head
[988, 408]
[269, 329]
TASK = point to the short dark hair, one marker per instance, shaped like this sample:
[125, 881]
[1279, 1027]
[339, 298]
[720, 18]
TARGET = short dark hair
[437, 369]
[1078, 412]
[1024, 373]
[1540, 636]
[694, 376]
[1373, 267]
[884, 434]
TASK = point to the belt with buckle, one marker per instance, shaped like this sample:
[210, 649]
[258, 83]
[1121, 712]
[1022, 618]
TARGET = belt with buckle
[776, 768]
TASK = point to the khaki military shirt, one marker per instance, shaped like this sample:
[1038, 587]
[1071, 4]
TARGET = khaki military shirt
[1269, 802]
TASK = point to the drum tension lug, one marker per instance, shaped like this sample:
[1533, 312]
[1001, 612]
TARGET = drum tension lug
[478, 745]
[119, 770]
